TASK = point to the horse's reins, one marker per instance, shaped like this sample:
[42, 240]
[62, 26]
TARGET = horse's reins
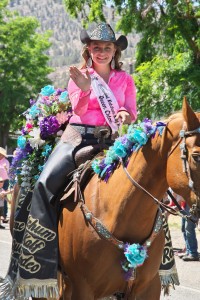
[169, 209]
[182, 213]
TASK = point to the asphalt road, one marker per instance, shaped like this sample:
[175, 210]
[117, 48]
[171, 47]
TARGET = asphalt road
[189, 272]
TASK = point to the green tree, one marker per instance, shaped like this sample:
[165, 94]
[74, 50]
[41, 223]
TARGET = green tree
[168, 54]
[163, 82]
[23, 66]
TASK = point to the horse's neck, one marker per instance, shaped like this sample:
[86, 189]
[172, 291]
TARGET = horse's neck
[129, 211]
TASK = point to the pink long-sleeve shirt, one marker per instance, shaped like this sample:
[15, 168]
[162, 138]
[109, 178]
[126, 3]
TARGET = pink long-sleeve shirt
[85, 104]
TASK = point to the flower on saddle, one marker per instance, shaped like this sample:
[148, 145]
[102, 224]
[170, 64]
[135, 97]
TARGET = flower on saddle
[43, 124]
[132, 139]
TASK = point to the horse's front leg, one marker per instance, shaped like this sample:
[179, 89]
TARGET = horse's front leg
[152, 291]
[77, 289]
[81, 292]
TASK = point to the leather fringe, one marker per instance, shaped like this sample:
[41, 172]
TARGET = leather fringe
[6, 292]
[36, 288]
[167, 281]
[28, 288]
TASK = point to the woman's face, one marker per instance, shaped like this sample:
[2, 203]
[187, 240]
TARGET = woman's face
[101, 52]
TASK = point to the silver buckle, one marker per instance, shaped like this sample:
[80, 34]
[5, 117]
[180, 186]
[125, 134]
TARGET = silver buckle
[182, 133]
[102, 132]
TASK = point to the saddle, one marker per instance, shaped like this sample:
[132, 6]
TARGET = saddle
[83, 156]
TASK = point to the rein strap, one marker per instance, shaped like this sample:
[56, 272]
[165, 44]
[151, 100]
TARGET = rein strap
[170, 210]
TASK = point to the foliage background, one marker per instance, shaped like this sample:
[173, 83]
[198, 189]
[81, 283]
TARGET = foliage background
[164, 38]
[23, 66]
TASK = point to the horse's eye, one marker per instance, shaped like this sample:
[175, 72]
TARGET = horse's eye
[196, 157]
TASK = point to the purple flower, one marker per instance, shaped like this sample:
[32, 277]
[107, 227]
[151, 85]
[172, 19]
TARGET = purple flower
[24, 131]
[32, 102]
[160, 123]
[59, 91]
[48, 126]
[45, 100]
[148, 127]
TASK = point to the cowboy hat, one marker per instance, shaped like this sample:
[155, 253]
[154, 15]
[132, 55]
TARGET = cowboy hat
[3, 151]
[104, 32]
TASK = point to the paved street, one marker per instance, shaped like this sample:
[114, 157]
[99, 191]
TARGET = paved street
[189, 272]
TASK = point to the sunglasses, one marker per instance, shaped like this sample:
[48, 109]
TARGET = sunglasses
[1, 181]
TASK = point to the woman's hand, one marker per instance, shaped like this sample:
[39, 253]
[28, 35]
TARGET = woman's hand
[83, 81]
[123, 117]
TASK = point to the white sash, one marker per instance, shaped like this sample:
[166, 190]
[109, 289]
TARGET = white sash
[106, 99]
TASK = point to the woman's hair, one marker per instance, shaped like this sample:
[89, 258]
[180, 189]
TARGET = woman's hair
[85, 54]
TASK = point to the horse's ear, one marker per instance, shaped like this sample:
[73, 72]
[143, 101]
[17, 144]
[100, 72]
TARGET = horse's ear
[189, 116]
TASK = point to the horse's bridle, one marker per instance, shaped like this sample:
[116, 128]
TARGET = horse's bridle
[195, 210]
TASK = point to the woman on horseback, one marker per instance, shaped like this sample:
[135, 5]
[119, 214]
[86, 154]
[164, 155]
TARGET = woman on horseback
[102, 96]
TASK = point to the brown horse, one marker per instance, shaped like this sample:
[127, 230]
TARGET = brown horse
[91, 263]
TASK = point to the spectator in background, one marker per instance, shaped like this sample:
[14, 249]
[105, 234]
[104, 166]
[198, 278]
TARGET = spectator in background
[3, 198]
[190, 252]
[4, 170]
[189, 234]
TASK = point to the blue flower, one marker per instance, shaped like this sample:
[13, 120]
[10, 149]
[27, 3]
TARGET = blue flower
[140, 137]
[108, 160]
[21, 142]
[36, 177]
[46, 150]
[34, 111]
[96, 167]
[47, 90]
[63, 97]
[111, 154]
[120, 149]
[40, 168]
[135, 254]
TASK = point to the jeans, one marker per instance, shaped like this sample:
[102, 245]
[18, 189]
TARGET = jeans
[189, 234]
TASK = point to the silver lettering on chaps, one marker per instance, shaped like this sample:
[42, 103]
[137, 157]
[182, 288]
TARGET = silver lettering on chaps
[28, 263]
[35, 239]
[34, 227]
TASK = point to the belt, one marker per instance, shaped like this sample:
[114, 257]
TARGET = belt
[97, 131]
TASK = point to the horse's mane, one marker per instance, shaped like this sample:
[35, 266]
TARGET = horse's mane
[169, 118]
